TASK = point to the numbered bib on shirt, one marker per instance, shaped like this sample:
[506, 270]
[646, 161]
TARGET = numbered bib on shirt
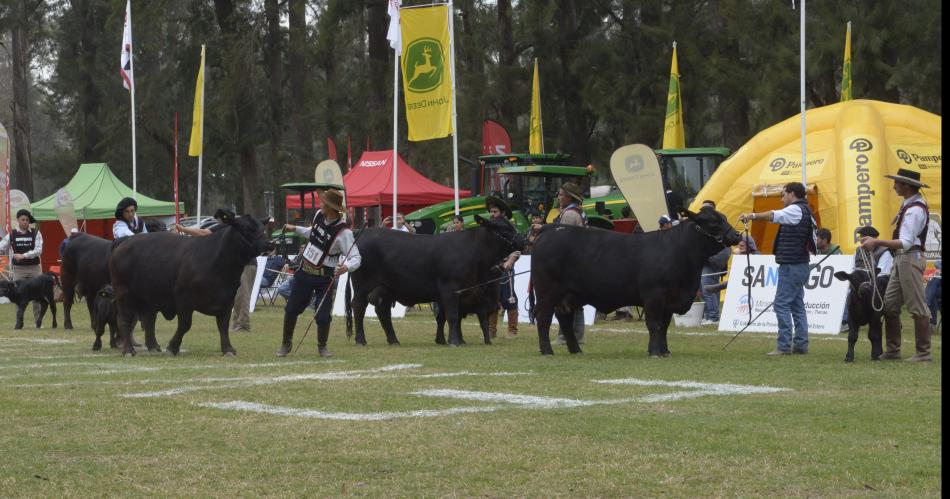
[313, 254]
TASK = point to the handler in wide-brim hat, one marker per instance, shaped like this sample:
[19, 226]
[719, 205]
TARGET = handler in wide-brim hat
[330, 252]
[26, 246]
[127, 223]
[906, 285]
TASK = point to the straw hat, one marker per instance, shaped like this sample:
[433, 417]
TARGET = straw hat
[333, 199]
[908, 177]
[573, 190]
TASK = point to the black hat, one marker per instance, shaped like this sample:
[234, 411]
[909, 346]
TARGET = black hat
[27, 213]
[496, 201]
[867, 230]
[125, 203]
[909, 177]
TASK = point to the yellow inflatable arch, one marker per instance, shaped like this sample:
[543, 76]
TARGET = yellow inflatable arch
[850, 147]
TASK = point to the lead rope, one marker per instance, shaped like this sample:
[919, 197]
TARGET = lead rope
[869, 267]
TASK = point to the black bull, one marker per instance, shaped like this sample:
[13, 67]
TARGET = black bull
[85, 269]
[410, 269]
[659, 271]
[178, 275]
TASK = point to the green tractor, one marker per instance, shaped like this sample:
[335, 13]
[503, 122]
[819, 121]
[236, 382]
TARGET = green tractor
[530, 182]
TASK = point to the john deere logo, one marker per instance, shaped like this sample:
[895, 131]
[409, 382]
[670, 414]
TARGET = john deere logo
[634, 164]
[425, 65]
[327, 175]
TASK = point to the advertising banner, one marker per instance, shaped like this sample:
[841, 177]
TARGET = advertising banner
[824, 295]
[425, 72]
[637, 173]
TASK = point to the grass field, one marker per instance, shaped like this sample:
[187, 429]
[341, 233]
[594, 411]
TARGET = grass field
[423, 420]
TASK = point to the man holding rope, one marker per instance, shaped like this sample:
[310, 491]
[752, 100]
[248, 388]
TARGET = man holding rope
[906, 285]
[794, 243]
[329, 240]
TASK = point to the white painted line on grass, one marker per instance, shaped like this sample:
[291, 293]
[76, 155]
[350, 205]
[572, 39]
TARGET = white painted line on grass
[49, 341]
[240, 405]
[700, 388]
[508, 398]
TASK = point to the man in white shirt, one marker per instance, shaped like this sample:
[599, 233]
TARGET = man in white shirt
[26, 246]
[906, 285]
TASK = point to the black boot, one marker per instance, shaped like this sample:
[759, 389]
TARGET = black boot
[290, 321]
[323, 333]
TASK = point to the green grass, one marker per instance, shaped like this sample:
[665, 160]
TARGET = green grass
[67, 431]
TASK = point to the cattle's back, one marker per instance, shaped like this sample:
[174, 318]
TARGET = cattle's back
[86, 262]
[147, 265]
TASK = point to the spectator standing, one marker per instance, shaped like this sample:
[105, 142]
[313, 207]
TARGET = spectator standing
[933, 294]
[906, 284]
[712, 273]
[507, 299]
[793, 243]
[823, 243]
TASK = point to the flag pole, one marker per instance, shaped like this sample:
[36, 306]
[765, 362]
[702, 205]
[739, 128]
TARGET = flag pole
[395, 129]
[132, 92]
[802, 90]
[455, 131]
[201, 156]
[175, 180]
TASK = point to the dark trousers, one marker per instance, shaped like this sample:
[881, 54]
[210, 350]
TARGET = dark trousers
[307, 287]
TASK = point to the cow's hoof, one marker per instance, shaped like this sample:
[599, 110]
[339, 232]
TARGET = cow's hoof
[848, 361]
[665, 354]
[96, 348]
[394, 343]
[155, 349]
[68, 326]
[575, 352]
[547, 352]
[488, 342]
[454, 345]
[440, 342]
[654, 356]
[171, 353]
[129, 354]
[230, 353]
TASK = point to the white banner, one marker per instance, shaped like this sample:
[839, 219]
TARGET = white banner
[824, 295]
[339, 305]
[256, 288]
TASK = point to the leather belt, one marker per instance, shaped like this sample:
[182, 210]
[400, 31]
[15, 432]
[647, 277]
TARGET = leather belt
[323, 270]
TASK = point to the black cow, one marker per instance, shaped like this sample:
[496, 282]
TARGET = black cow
[176, 275]
[421, 268]
[659, 271]
[105, 314]
[861, 311]
[85, 269]
[37, 288]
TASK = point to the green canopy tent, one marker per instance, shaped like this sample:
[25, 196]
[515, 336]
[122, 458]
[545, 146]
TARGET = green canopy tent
[95, 191]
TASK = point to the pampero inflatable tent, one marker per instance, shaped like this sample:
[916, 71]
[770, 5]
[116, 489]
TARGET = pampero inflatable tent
[850, 145]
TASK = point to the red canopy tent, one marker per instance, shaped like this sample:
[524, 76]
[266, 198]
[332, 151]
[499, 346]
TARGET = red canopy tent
[370, 183]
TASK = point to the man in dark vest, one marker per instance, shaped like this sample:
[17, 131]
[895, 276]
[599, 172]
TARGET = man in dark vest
[794, 244]
[329, 253]
[906, 285]
[26, 246]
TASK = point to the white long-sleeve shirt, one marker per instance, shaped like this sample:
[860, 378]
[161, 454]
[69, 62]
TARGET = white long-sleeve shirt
[121, 229]
[35, 252]
[344, 240]
[913, 224]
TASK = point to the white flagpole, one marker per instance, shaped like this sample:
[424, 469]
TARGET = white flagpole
[200, 156]
[132, 92]
[455, 130]
[395, 129]
[802, 89]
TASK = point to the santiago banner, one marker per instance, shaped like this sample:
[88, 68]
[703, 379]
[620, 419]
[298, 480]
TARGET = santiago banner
[824, 295]
[426, 77]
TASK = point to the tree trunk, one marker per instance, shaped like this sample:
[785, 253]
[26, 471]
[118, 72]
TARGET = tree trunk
[298, 80]
[274, 65]
[21, 175]
[380, 59]
[577, 117]
[508, 101]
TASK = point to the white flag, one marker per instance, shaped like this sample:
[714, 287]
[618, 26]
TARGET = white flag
[126, 67]
[393, 35]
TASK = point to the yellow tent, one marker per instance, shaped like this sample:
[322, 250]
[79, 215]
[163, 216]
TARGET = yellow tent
[851, 145]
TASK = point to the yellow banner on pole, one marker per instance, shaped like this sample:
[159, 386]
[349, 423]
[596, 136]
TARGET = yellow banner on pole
[674, 134]
[846, 92]
[194, 147]
[536, 134]
[426, 75]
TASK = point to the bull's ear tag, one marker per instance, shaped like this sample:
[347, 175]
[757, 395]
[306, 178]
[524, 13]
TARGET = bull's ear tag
[637, 173]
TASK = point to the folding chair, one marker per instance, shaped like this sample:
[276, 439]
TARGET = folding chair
[269, 293]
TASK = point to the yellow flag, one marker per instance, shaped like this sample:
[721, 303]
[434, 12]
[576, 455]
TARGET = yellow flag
[536, 134]
[846, 69]
[426, 77]
[197, 118]
[674, 135]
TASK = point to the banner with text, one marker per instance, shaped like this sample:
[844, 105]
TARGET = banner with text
[824, 295]
[426, 77]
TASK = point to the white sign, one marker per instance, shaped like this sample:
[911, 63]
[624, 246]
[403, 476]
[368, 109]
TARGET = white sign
[339, 306]
[255, 289]
[521, 290]
[824, 295]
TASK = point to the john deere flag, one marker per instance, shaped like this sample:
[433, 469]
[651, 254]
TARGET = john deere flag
[536, 134]
[674, 136]
[846, 69]
[194, 147]
[426, 79]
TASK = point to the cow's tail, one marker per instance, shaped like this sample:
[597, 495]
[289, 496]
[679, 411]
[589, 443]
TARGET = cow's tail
[348, 307]
[530, 301]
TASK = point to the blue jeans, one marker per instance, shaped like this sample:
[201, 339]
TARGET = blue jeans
[789, 306]
[932, 294]
[711, 312]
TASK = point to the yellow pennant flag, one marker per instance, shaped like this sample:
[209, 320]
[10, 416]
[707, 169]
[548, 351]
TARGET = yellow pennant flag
[846, 69]
[674, 135]
[426, 77]
[197, 120]
[536, 134]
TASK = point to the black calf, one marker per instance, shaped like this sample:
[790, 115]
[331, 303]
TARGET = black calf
[861, 311]
[105, 313]
[22, 292]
